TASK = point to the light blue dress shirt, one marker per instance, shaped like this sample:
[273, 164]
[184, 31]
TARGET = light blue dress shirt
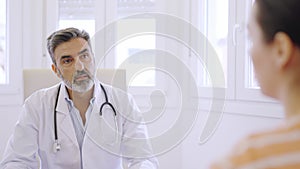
[78, 125]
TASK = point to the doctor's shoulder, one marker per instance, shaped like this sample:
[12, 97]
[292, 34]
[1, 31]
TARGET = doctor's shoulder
[37, 107]
[41, 98]
[44, 93]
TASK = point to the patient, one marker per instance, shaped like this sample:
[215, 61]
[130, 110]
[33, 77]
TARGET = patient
[274, 28]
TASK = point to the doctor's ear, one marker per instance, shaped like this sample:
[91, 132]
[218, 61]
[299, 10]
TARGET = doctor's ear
[55, 70]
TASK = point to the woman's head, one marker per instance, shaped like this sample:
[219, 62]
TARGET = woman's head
[279, 16]
[274, 32]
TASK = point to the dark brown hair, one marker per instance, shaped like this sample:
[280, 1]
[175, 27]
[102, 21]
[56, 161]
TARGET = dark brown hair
[64, 35]
[279, 16]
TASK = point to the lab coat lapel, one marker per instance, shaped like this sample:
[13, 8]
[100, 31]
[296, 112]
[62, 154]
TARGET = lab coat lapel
[94, 127]
[64, 121]
[95, 131]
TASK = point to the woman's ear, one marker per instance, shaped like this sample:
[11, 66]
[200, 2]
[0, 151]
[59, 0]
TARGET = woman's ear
[283, 47]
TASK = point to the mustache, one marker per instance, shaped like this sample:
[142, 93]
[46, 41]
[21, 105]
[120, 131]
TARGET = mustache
[79, 73]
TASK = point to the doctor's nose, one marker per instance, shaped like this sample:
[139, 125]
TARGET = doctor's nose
[79, 65]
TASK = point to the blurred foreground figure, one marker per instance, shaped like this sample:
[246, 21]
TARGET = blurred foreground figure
[274, 30]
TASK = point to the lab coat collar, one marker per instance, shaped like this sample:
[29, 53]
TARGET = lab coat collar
[62, 106]
[63, 118]
[98, 95]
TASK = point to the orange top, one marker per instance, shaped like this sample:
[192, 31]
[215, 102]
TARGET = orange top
[276, 149]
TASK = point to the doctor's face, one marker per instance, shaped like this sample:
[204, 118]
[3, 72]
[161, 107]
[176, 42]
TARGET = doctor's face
[75, 64]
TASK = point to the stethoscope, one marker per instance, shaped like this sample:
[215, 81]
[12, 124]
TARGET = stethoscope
[57, 145]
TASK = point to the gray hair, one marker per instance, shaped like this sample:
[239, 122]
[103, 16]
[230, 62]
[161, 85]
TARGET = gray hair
[64, 35]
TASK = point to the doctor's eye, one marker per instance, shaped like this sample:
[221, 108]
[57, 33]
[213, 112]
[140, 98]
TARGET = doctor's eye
[66, 61]
[85, 56]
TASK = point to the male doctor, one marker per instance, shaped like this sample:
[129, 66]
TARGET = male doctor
[79, 123]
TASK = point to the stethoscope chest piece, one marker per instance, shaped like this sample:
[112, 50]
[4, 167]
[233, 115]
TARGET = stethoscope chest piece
[56, 146]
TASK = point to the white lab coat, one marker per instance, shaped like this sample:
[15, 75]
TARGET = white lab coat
[31, 145]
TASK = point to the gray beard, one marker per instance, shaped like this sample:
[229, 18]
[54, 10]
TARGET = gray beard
[79, 86]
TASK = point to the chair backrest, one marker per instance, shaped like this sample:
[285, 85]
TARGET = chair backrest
[35, 79]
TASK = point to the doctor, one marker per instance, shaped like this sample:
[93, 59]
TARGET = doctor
[79, 123]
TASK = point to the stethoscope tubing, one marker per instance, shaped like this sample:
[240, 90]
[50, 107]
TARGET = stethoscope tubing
[55, 121]
[57, 146]
[106, 102]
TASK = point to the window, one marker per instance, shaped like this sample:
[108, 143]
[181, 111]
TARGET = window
[250, 77]
[82, 14]
[79, 14]
[11, 45]
[213, 69]
[215, 25]
[222, 22]
[3, 58]
[132, 45]
[137, 42]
